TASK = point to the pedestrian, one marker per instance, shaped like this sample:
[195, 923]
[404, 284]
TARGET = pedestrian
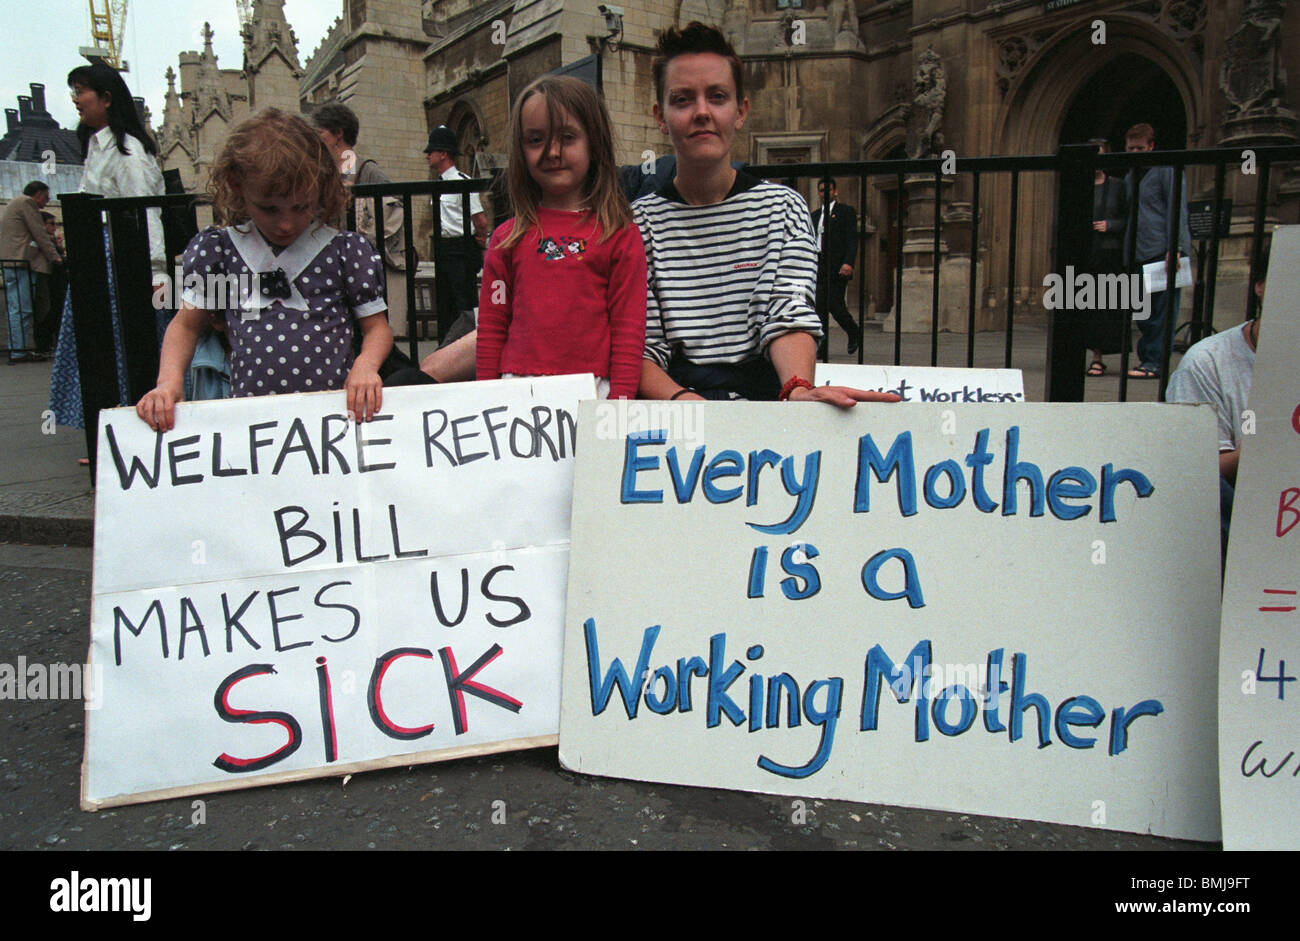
[836, 228]
[1152, 188]
[564, 282]
[457, 260]
[55, 289]
[340, 129]
[290, 325]
[1105, 329]
[24, 239]
[120, 159]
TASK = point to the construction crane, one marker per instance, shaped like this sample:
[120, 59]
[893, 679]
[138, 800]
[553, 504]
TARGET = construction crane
[107, 32]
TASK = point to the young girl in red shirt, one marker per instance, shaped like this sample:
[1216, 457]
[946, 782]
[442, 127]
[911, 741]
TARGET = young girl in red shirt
[564, 282]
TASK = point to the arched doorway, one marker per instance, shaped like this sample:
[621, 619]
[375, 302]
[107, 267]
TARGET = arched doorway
[1071, 90]
[1128, 90]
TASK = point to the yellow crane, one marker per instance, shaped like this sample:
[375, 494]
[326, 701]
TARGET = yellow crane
[107, 32]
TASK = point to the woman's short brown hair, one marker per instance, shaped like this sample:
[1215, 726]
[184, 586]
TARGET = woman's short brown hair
[696, 37]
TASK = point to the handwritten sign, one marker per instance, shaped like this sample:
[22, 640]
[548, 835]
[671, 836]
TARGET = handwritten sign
[929, 383]
[1259, 696]
[280, 593]
[1017, 617]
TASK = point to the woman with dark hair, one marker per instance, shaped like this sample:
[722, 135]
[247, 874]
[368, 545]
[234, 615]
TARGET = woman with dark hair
[1109, 216]
[120, 159]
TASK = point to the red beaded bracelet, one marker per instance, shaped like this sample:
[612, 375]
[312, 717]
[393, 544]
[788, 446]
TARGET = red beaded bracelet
[794, 382]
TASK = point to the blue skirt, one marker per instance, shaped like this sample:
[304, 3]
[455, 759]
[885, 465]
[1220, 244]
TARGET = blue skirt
[65, 378]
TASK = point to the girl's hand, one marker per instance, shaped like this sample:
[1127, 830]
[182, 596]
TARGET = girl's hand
[158, 407]
[365, 392]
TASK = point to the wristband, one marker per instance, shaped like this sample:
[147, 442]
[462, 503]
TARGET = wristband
[678, 394]
[794, 382]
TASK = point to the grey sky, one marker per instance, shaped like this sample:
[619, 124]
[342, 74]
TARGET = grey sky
[42, 39]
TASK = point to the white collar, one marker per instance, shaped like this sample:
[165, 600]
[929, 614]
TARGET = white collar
[260, 259]
[102, 138]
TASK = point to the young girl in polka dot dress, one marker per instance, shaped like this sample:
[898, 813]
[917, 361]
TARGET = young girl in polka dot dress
[286, 285]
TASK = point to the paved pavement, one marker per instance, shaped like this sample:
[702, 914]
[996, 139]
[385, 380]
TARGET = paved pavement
[46, 496]
[45, 594]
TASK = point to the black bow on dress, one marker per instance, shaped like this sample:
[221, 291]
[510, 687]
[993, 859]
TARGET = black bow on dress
[276, 284]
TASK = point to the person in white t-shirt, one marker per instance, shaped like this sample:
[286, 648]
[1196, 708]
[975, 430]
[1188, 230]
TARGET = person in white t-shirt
[458, 259]
[1218, 370]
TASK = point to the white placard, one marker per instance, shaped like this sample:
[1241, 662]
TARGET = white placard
[1259, 684]
[281, 593]
[928, 383]
[748, 601]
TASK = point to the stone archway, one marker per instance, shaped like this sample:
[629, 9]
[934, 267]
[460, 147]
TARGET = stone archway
[1046, 100]
[466, 124]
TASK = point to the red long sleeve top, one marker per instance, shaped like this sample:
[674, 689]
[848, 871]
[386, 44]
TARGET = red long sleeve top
[559, 301]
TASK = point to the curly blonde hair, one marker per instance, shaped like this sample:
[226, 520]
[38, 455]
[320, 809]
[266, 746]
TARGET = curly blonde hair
[282, 155]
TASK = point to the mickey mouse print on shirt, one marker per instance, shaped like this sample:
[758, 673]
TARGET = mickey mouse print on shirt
[565, 246]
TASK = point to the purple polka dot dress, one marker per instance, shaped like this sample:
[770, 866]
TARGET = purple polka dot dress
[299, 343]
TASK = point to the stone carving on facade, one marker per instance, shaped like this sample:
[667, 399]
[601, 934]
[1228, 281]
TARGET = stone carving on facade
[924, 113]
[1014, 52]
[1183, 18]
[1252, 75]
[209, 91]
[842, 16]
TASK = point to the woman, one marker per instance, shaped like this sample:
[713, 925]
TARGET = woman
[120, 159]
[722, 243]
[1105, 332]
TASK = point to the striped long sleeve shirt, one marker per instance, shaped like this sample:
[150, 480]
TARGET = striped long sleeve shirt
[724, 281]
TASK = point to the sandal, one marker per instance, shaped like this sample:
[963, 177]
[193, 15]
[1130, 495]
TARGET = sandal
[1098, 368]
[1142, 372]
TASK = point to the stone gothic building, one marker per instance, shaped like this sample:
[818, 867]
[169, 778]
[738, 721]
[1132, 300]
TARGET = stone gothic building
[211, 100]
[828, 80]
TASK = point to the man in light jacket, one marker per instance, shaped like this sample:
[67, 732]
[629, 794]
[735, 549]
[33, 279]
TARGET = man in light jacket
[23, 238]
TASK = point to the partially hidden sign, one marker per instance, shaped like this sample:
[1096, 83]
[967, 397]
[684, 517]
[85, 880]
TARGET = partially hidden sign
[1013, 615]
[929, 383]
[1259, 686]
[280, 593]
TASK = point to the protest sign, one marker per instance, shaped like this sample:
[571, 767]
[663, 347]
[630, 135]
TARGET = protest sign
[280, 593]
[1259, 725]
[928, 383]
[1009, 610]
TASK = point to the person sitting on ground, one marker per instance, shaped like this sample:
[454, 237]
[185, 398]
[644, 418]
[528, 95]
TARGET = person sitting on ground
[731, 260]
[1217, 370]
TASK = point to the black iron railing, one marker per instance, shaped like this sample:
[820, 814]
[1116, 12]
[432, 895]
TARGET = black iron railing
[85, 218]
[125, 254]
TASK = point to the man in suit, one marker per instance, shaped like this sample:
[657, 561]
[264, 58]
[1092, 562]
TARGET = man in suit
[23, 238]
[836, 227]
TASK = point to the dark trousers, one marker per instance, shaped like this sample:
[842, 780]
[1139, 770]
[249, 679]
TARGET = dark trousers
[832, 296]
[458, 265]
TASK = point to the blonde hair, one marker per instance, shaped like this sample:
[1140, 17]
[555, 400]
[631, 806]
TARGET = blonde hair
[282, 155]
[600, 190]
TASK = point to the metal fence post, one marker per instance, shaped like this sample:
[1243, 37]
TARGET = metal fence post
[92, 320]
[1065, 326]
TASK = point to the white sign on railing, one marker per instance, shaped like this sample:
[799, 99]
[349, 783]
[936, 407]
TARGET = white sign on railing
[280, 593]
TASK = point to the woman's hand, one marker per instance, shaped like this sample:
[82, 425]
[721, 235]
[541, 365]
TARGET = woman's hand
[843, 396]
